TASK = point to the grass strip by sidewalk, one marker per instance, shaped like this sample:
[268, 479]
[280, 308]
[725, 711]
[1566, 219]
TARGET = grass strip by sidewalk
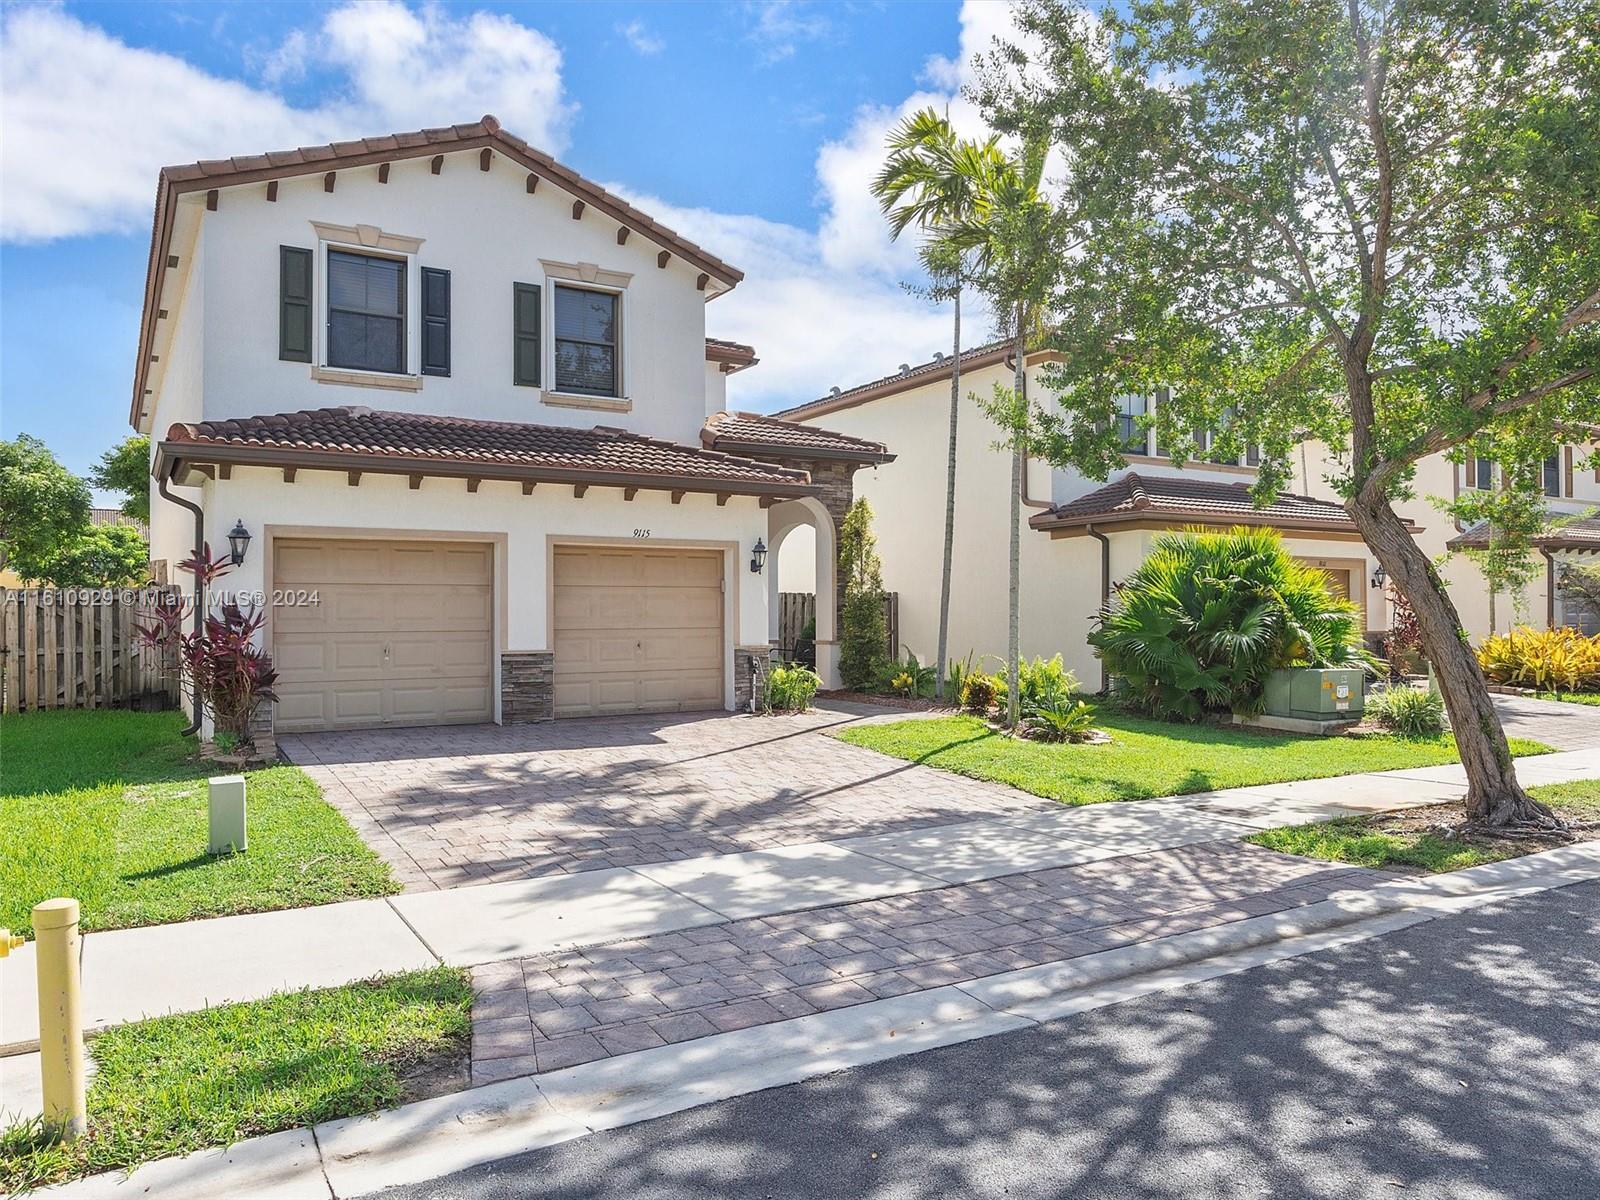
[1147, 758]
[173, 1085]
[1407, 839]
[110, 807]
[1590, 698]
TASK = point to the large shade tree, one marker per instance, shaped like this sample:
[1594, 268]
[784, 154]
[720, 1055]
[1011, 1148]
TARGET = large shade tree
[1375, 224]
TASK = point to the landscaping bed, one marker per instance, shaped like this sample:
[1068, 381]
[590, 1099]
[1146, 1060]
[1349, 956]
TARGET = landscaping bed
[1145, 757]
[1418, 838]
[110, 807]
[177, 1084]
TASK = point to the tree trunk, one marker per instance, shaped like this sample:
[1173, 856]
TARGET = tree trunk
[1014, 639]
[949, 510]
[1494, 797]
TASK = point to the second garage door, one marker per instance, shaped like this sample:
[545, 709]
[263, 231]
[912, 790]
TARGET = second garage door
[637, 630]
[399, 633]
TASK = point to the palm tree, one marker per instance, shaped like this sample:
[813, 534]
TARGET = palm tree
[930, 179]
[1008, 244]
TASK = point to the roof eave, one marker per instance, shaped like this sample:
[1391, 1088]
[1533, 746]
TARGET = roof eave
[172, 455]
[747, 448]
[1053, 522]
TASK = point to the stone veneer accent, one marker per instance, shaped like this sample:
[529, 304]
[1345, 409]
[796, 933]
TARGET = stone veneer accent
[527, 686]
[261, 731]
[750, 665]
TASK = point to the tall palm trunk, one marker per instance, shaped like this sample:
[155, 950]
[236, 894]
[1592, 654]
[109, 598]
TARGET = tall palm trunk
[949, 508]
[1014, 638]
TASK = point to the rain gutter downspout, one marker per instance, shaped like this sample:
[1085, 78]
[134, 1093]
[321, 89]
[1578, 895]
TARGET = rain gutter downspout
[199, 599]
[1105, 592]
[1549, 587]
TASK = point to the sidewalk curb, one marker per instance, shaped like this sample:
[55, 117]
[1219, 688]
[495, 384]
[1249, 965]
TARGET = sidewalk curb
[424, 1140]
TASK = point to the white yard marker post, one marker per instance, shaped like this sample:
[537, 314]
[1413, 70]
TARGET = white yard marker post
[225, 809]
[61, 1071]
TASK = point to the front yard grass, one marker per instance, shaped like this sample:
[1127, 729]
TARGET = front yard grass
[177, 1084]
[1148, 758]
[110, 807]
[1410, 839]
[1590, 698]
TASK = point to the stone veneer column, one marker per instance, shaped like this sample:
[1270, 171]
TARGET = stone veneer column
[750, 666]
[261, 732]
[527, 686]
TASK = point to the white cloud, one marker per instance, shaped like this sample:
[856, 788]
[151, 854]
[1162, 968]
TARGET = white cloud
[779, 26]
[638, 35]
[87, 120]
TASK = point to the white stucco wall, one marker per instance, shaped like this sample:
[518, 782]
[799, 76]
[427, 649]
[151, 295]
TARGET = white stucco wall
[321, 503]
[489, 233]
[181, 399]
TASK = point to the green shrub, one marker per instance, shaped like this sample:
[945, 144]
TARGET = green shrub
[1057, 718]
[910, 677]
[864, 641]
[1203, 621]
[981, 691]
[1407, 711]
[955, 675]
[791, 688]
[1043, 679]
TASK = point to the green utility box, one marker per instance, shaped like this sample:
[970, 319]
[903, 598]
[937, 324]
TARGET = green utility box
[1315, 694]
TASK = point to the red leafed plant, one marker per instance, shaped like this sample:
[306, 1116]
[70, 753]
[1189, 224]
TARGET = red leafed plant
[1403, 643]
[222, 663]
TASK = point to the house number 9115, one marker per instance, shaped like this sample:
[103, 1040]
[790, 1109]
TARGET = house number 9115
[641, 533]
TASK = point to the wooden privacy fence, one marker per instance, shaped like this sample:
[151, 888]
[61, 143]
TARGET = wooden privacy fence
[796, 609]
[76, 648]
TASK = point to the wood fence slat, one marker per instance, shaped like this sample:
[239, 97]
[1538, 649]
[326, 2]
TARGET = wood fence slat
[70, 674]
[51, 613]
[104, 616]
[13, 652]
[29, 638]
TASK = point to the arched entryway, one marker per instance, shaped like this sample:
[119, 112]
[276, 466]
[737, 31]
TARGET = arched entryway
[783, 519]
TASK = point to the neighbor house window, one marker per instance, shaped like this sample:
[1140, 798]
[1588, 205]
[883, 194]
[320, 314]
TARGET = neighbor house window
[366, 312]
[1482, 474]
[1133, 438]
[586, 342]
[1552, 475]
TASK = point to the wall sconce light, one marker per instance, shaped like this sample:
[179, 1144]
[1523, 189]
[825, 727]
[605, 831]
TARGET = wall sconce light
[758, 557]
[238, 541]
[1378, 576]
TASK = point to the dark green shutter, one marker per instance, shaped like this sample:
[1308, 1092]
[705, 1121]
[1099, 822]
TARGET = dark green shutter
[435, 321]
[294, 304]
[525, 334]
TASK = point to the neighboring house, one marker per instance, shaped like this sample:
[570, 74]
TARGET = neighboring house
[454, 393]
[1081, 536]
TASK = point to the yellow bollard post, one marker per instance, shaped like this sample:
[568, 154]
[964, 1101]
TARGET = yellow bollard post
[55, 930]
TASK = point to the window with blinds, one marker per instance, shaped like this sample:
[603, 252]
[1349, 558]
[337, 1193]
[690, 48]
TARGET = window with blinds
[366, 312]
[586, 337]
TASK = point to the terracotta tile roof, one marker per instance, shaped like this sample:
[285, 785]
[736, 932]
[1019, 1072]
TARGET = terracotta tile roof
[484, 133]
[734, 356]
[1565, 532]
[1135, 497]
[914, 375]
[752, 433]
[366, 439]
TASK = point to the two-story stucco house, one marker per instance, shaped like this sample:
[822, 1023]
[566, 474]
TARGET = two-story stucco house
[1081, 536]
[457, 396]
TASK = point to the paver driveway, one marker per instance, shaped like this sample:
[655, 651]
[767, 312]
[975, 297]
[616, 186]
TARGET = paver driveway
[482, 803]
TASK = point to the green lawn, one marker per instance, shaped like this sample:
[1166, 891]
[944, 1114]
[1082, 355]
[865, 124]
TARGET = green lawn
[177, 1084]
[1395, 840]
[1147, 758]
[1592, 698]
[110, 807]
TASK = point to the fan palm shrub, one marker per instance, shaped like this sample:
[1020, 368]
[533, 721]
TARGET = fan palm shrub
[1203, 621]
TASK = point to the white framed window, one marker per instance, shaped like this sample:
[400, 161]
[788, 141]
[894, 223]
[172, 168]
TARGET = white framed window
[586, 341]
[367, 297]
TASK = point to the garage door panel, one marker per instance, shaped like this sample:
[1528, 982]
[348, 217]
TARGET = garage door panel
[637, 630]
[400, 635]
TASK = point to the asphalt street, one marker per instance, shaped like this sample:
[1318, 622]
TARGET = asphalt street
[1457, 1059]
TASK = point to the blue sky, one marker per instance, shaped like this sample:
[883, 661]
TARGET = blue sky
[751, 127]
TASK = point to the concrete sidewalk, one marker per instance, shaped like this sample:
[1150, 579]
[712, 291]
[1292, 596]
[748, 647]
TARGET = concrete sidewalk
[431, 1138]
[136, 973]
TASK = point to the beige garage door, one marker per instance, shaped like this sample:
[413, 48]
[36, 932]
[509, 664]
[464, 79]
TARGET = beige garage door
[400, 633]
[637, 630]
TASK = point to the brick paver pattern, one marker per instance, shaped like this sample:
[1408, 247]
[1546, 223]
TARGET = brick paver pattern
[485, 803]
[557, 1010]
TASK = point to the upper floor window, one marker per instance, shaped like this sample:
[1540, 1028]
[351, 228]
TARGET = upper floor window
[586, 338]
[366, 312]
[1552, 475]
[1132, 437]
[1480, 474]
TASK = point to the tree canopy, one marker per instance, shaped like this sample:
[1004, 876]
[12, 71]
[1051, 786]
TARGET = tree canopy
[42, 505]
[125, 468]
